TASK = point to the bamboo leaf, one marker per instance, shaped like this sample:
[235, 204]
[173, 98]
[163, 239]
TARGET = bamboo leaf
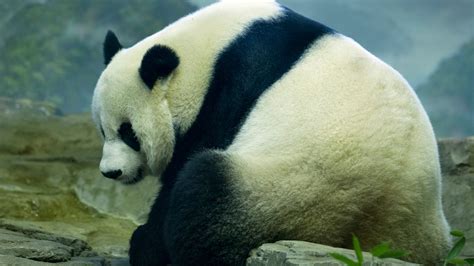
[457, 261]
[395, 254]
[379, 249]
[457, 233]
[344, 259]
[454, 252]
[469, 261]
[357, 249]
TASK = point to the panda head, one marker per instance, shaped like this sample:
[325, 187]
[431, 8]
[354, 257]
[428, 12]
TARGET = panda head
[131, 111]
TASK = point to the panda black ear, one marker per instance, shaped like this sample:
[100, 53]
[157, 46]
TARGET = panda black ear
[111, 46]
[157, 63]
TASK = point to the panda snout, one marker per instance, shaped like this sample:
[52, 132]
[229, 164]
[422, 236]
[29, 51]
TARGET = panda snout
[112, 174]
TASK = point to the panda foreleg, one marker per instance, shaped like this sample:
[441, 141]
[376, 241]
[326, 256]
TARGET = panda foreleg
[205, 224]
[147, 245]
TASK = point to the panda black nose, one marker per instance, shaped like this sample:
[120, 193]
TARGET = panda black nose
[112, 174]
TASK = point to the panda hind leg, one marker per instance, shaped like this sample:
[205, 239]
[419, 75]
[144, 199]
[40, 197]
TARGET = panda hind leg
[205, 225]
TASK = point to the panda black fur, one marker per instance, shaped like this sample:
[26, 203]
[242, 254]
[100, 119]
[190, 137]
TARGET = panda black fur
[265, 125]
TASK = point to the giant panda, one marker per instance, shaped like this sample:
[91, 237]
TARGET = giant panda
[264, 125]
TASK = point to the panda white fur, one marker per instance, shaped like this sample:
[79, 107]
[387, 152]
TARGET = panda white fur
[265, 125]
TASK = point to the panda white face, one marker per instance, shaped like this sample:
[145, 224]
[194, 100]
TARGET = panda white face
[131, 114]
[122, 158]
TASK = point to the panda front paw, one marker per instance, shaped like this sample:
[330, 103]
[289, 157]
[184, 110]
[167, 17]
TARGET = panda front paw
[146, 248]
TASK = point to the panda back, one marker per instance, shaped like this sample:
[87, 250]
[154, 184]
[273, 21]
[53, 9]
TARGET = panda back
[245, 69]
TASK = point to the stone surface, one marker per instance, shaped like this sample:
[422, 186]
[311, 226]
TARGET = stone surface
[12, 260]
[56, 159]
[457, 164]
[18, 245]
[29, 246]
[50, 181]
[75, 246]
[300, 253]
[42, 161]
[110, 197]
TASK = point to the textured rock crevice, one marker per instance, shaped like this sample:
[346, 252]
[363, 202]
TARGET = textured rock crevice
[74, 246]
[27, 246]
[457, 165]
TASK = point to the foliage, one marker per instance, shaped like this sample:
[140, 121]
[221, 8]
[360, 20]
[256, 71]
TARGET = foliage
[449, 94]
[51, 50]
[358, 253]
[345, 259]
[384, 251]
[381, 251]
[453, 254]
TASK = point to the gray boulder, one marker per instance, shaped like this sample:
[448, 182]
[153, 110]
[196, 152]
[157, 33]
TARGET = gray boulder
[300, 253]
[457, 165]
[26, 246]
[19, 245]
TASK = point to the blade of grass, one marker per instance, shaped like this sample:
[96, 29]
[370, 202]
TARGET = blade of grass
[379, 249]
[457, 233]
[395, 254]
[344, 259]
[454, 252]
[469, 261]
[457, 261]
[357, 249]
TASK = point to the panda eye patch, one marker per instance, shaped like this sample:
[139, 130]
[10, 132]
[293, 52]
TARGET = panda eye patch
[128, 136]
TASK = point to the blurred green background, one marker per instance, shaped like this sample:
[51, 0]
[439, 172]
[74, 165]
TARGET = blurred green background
[51, 50]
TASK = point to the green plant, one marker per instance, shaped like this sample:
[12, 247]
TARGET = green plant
[453, 254]
[358, 252]
[382, 251]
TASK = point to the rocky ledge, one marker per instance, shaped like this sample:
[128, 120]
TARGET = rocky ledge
[300, 253]
[28, 246]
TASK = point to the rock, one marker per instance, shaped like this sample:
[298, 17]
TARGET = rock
[72, 138]
[75, 261]
[26, 245]
[110, 197]
[50, 181]
[19, 245]
[12, 260]
[107, 236]
[76, 246]
[457, 164]
[300, 253]
[96, 261]
[62, 155]
[457, 156]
